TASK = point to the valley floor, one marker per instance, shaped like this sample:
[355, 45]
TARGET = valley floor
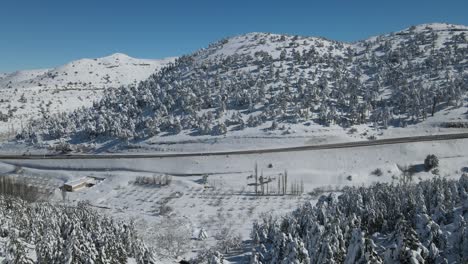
[226, 200]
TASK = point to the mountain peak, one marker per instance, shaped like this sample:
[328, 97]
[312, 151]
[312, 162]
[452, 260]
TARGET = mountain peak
[436, 26]
[118, 56]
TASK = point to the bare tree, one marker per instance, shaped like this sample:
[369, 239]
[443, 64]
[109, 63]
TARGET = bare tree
[172, 236]
[22, 188]
[406, 176]
[228, 240]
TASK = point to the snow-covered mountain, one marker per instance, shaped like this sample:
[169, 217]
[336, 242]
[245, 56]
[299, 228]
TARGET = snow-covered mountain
[29, 93]
[111, 71]
[14, 79]
[268, 81]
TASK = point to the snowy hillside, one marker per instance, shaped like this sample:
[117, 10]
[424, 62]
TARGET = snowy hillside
[271, 82]
[252, 44]
[10, 80]
[29, 94]
[111, 71]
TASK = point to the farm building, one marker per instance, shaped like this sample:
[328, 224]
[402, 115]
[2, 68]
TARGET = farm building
[76, 185]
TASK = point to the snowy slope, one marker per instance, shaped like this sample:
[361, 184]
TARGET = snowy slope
[25, 94]
[111, 71]
[266, 83]
[273, 44]
[13, 79]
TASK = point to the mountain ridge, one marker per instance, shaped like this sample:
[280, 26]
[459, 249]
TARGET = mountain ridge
[82, 70]
[33, 93]
[263, 79]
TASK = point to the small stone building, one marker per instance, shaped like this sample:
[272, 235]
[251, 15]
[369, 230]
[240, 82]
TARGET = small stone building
[76, 185]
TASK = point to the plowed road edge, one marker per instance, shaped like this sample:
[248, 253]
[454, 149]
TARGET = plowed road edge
[389, 141]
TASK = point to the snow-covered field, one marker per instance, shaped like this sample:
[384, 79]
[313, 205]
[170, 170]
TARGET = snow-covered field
[231, 202]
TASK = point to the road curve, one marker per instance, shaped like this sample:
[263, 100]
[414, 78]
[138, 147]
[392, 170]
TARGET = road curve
[354, 144]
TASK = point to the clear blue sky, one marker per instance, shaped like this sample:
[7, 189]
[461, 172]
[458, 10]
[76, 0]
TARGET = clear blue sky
[46, 33]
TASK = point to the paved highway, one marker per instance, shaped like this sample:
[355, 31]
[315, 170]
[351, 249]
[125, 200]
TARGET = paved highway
[354, 144]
